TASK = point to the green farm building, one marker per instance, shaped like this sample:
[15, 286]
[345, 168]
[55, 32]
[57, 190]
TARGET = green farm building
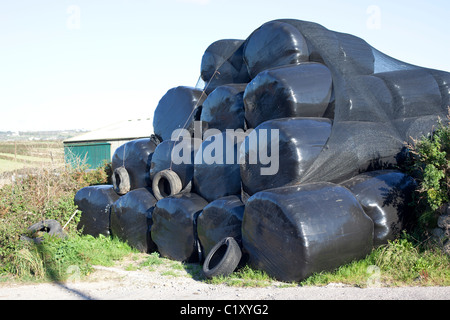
[98, 146]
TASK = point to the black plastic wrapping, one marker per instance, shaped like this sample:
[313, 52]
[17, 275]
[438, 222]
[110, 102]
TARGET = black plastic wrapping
[293, 232]
[174, 228]
[183, 151]
[223, 63]
[378, 102]
[224, 108]
[177, 109]
[216, 168]
[131, 219]
[136, 157]
[95, 203]
[272, 45]
[302, 90]
[300, 141]
[385, 197]
[220, 219]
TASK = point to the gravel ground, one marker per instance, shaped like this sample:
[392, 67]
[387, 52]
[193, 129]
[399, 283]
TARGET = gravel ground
[116, 283]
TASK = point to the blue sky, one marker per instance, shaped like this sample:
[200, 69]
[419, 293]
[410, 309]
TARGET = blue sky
[83, 64]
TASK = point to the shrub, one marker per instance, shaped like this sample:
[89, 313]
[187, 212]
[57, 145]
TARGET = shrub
[39, 194]
[428, 163]
[86, 177]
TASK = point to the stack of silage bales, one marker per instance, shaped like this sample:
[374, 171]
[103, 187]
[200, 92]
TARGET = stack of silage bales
[290, 149]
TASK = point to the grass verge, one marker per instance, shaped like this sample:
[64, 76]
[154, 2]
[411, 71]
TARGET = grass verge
[59, 260]
[400, 263]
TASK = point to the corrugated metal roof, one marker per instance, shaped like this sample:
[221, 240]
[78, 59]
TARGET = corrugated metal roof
[123, 130]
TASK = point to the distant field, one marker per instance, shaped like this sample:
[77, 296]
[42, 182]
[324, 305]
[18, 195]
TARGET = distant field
[22, 154]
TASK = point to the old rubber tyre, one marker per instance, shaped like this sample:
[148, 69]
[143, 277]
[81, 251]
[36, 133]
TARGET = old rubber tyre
[121, 181]
[166, 183]
[52, 227]
[223, 258]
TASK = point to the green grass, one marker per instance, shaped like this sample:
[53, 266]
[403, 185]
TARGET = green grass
[64, 259]
[152, 260]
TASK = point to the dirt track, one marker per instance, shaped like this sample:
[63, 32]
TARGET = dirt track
[115, 283]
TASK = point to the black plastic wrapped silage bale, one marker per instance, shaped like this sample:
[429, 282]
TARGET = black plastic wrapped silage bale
[290, 146]
[274, 44]
[220, 219]
[131, 163]
[131, 219]
[223, 63]
[385, 197]
[95, 204]
[177, 156]
[174, 229]
[301, 90]
[216, 168]
[177, 109]
[224, 108]
[293, 232]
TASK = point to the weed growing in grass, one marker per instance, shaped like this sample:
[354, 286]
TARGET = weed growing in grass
[170, 273]
[152, 260]
[244, 277]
